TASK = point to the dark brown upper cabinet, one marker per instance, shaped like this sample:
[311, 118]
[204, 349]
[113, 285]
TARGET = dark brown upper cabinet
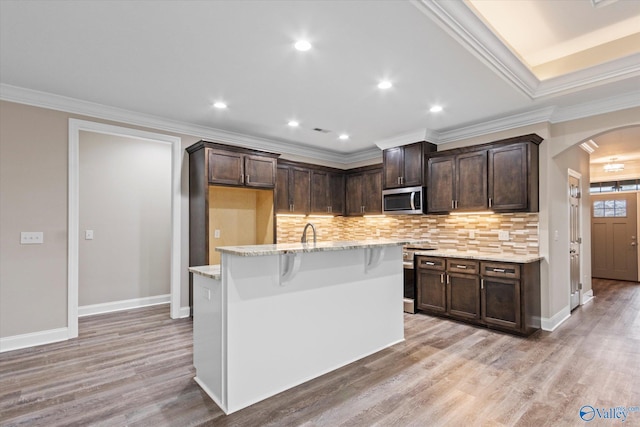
[404, 166]
[327, 192]
[293, 189]
[513, 177]
[240, 168]
[364, 191]
[501, 176]
[457, 182]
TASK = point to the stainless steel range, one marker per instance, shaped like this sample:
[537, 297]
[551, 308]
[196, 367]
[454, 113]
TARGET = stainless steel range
[410, 292]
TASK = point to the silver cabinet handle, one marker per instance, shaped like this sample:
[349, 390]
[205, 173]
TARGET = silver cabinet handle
[456, 204]
[461, 266]
[442, 278]
[490, 201]
[452, 205]
[499, 270]
[448, 279]
[429, 263]
[481, 283]
[248, 180]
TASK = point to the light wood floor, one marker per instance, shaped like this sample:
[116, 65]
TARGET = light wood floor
[135, 368]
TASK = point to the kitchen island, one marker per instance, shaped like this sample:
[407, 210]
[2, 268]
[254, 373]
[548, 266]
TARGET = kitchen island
[271, 317]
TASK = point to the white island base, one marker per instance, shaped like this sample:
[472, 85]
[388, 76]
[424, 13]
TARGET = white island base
[274, 319]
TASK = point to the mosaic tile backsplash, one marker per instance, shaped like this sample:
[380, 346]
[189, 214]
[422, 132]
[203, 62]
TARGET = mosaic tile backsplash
[473, 232]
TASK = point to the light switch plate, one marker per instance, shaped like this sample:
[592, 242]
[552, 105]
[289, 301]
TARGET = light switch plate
[31, 238]
[216, 234]
[503, 235]
[88, 234]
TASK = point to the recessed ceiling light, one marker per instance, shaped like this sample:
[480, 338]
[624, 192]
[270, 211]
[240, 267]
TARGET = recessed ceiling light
[293, 124]
[384, 84]
[302, 45]
[343, 136]
[221, 105]
[436, 109]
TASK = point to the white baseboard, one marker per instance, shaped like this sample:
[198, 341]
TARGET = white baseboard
[550, 324]
[587, 297]
[108, 307]
[184, 312]
[17, 342]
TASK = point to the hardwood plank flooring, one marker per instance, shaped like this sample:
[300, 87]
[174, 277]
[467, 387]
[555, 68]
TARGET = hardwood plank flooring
[135, 368]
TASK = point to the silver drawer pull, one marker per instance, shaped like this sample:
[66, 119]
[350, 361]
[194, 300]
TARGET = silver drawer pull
[429, 263]
[461, 266]
[499, 270]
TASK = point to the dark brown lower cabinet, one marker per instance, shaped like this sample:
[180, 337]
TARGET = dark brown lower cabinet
[463, 296]
[501, 303]
[504, 296]
[431, 288]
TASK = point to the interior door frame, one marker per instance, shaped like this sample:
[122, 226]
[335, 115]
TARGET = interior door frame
[578, 176]
[75, 126]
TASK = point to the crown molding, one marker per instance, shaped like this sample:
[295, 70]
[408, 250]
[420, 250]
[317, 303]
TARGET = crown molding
[611, 71]
[85, 108]
[404, 139]
[594, 108]
[497, 125]
[459, 21]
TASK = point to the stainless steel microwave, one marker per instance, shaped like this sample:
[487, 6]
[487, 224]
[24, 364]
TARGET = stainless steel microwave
[403, 200]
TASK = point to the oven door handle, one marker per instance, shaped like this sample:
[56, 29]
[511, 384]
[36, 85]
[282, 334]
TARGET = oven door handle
[413, 202]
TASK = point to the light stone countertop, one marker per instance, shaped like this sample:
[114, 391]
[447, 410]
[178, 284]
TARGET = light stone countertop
[482, 256]
[210, 271]
[289, 248]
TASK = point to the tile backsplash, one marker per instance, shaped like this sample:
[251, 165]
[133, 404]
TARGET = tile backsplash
[474, 232]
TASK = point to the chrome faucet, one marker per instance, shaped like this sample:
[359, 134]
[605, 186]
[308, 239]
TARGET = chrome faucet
[304, 233]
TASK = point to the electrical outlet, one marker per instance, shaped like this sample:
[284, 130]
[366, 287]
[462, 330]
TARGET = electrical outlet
[31, 238]
[503, 235]
[472, 234]
[88, 234]
[216, 234]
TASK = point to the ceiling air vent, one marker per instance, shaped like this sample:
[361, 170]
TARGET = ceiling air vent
[321, 130]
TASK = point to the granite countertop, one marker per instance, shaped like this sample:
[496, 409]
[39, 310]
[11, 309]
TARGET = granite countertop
[288, 248]
[210, 271]
[483, 256]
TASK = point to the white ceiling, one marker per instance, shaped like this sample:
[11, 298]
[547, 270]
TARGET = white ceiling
[167, 62]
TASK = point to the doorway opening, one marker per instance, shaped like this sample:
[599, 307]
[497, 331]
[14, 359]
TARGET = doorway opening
[75, 127]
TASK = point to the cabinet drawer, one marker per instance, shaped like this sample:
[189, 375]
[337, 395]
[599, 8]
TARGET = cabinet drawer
[499, 269]
[430, 263]
[462, 266]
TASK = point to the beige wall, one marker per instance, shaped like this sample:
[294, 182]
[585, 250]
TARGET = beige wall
[33, 197]
[125, 198]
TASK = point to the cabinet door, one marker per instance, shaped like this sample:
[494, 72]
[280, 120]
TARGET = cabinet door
[259, 171]
[393, 167]
[319, 192]
[471, 181]
[412, 160]
[354, 194]
[372, 192]
[463, 296]
[508, 177]
[430, 285]
[440, 184]
[225, 167]
[300, 190]
[283, 199]
[501, 302]
[336, 193]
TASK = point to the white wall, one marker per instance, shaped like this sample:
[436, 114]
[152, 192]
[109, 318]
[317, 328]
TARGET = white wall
[125, 198]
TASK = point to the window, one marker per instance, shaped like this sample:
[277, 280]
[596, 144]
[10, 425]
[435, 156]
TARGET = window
[612, 186]
[609, 208]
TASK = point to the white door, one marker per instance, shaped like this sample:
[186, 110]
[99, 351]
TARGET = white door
[574, 240]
